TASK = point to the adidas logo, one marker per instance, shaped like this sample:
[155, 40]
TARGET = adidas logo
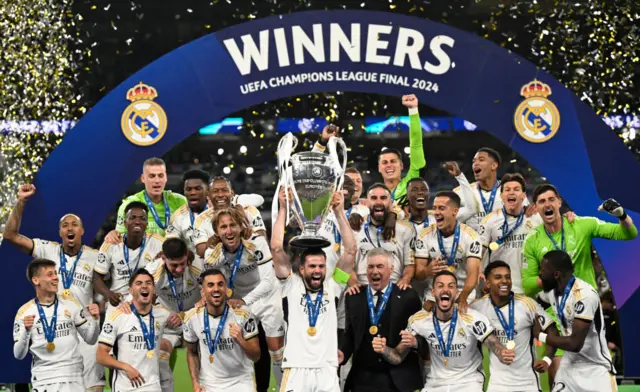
[121, 262]
[134, 329]
[364, 241]
[281, 329]
[432, 336]
[432, 250]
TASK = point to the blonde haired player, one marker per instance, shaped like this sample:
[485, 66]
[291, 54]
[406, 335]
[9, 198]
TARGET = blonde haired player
[48, 326]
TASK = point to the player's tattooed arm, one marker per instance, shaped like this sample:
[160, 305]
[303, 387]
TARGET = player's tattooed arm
[193, 361]
[396, 355]
[493, 344]
[12, 228]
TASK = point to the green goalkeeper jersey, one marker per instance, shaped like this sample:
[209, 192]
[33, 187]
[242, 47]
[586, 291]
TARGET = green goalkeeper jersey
[174, 201]
[416, 159]
[577, 240]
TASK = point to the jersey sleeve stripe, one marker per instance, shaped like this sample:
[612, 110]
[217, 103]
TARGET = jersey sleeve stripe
[105, 342]
[585, 318]
[265, 261]
[116, 313]
[23, 309]
[486, 334]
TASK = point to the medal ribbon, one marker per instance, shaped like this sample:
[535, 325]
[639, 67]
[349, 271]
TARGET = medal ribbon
[554, 241]
[313, 309]
[192, 217]
[488, 205]
[451, 258]
[509, 329]
[236, 264]
[374, 316]
[425, 224]
[49, 329]
[452, 331]
[154, 213]
[207, 329]
[125, 249]
[336, 233]
[174, 291]
[67, 278]
[150, 333]
[506, 232]
[378, 232]
[563, 300]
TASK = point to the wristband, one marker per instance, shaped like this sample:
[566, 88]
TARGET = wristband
[340, 276]
[623, 217]
[413, 111]
[542, 337]
[547, 360]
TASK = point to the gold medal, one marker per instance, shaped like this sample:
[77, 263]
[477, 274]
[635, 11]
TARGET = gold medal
[229, 293]
[494, 246]
[312, 331]
[211, 358]
[511, 345]
[181, 314]
[150, 354]
[452, 269]
[336, 248]
[446, 362]
[66, 292]
[373, 329]
[51, 346]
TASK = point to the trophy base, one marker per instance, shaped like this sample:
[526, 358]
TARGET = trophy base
[309, 241]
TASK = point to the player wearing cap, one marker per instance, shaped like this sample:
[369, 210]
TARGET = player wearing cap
[513, 317]
[220, 340]
[48, 327]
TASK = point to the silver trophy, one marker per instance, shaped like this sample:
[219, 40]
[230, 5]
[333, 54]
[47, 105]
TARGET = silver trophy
[312, 177]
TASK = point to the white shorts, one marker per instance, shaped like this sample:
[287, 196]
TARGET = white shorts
[584, 378]
[269, 312]
[59, 387]
[93, 374]
[469, 387]
[246, 384]
[310, 380]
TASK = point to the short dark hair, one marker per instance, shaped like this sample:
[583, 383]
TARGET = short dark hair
[174, 248]
[196, 174]
[351, 169]
[513, 177]
[154, 161]
[540, 189]
[136, 204]
[493, 265]
[139, 272]
[444, 272]
[455, 199]
[378, 185]
[311, 252]
[417, 179]
[36, 265]
[221, 178]
[211, 272]
[495, 155]
[390, 151]
[560, 260]
[349, 180]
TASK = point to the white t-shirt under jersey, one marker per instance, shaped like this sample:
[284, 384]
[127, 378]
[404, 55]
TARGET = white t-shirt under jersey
[302, 350]
[230, 363]
[519, 375]
[111, 261]
[465, 359]
[82, 284]
[187, 286]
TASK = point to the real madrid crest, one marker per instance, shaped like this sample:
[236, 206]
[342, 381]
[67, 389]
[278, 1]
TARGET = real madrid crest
[143, 122]
[536, 118]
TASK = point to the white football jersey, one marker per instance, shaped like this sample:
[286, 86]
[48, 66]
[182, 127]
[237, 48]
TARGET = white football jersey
[204, 226]
[124, 333]
[399, 246]
[465, 359]
[64, 363]
[187, 286]
[512, 249]
[256, 252]
[469, 245]
[111, 261]
[302, 350]
[520, 375]
[584, 304]
[82, 284]
[230, 363]
[182, 225]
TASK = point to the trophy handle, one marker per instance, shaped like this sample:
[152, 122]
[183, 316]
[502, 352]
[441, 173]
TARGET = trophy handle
[339, 165]
[287, 144]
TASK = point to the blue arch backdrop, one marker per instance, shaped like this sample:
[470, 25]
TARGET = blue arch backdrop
[201, 83]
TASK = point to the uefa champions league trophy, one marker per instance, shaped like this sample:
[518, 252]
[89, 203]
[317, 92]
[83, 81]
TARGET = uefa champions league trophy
[311, 178]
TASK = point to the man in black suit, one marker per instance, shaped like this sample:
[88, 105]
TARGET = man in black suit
[376, 314]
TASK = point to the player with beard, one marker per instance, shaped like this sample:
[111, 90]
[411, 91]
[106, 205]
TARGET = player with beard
[586, 365]
[503, 307]
[48, 327]
[252, 282]
[75, 263]
[311, 355]
[503, 231]
[134, 338]
[120, 261]
[370, 236]
[220, 340]
[449, 245]
[221, 196]
[452, 338]
[196, 188]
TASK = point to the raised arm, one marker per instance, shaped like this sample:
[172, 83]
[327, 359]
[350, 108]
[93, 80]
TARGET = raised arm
[349, 246]
[281, 261]
[626, 230]
[416, 158]
[12, 229]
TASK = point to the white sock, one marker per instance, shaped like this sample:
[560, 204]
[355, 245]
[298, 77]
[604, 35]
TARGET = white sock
[166, 375]
[276, 365]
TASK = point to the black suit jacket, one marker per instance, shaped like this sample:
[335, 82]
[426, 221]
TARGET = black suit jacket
[402, 305]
